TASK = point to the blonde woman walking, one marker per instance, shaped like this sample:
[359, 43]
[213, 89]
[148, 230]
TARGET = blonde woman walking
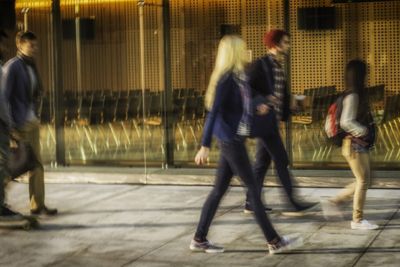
[228, 100]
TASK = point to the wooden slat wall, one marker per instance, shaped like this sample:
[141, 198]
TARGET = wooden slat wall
[379, 42]
[367, 30]
[195, 33]
[111, 60]
[370, 31]
[41, 26]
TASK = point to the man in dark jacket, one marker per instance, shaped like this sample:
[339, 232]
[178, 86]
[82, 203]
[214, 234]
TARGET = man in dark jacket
[267, 78]
[22, 87]
[5, 212]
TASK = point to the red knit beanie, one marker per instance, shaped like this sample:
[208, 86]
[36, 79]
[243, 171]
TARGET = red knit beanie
[274, 37]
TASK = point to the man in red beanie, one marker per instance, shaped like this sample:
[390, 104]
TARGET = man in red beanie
[272, 100]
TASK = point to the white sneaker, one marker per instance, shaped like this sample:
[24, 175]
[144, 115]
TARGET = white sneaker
[363, 225]
[286, 243]
[205, 246]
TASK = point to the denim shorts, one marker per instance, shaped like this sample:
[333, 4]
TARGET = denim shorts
[359, 148]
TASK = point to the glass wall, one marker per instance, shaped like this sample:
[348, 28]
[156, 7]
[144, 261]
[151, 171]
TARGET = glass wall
[113, 67]
[196, 28]
[113, 85]
[364, 30]
[368, 31]
[36, 17]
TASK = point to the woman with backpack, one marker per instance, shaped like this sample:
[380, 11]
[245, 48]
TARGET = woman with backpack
[357, 123]
[228, 99]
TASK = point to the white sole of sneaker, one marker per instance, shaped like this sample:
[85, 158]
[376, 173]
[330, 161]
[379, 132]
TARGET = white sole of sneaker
[214, 251]
[252, 212]
[365, 229]
[195, 249]
[198, 250]
[296, 242]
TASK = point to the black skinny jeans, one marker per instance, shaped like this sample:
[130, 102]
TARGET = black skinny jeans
[234, 159]
[270, 147]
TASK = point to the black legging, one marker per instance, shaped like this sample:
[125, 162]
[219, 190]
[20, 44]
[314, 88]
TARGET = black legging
[234, 159]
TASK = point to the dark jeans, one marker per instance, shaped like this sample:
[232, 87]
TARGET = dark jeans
[4, 150]
[234, 159]
[270, 147]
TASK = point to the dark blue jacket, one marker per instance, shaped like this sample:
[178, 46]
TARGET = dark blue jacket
[16, 84]
[4, 112]
[223, 119]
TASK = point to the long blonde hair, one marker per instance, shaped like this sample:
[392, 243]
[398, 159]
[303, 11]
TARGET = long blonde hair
[231, 56]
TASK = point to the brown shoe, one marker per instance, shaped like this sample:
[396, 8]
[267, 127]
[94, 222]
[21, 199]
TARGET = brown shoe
[44, 211]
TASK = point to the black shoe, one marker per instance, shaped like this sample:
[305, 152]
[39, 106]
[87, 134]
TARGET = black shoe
[7, 212]
[249, 210]
[307, 207]
[44, 211]
[301, 209]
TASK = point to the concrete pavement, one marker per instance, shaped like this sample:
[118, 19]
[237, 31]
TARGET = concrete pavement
[138, 225]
